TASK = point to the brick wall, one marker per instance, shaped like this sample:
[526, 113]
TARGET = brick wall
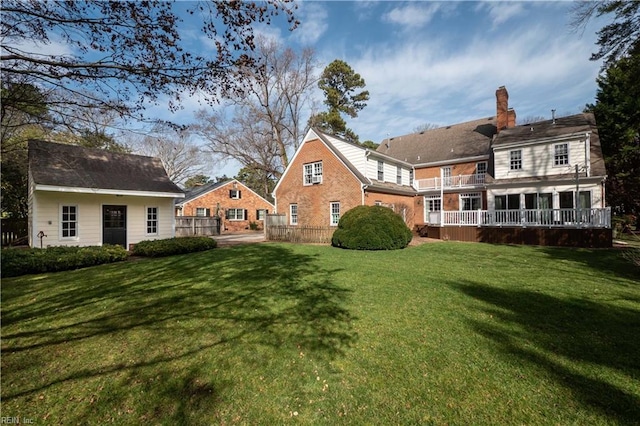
[456, 169]
[338, 185]
[249, 201]
[401, 204]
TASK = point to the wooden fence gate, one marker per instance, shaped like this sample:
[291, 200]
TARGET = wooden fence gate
[187, 226]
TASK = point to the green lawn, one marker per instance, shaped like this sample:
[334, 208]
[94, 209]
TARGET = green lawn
[447, 333]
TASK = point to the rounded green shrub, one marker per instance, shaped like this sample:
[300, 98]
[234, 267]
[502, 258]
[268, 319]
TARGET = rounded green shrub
[171, 246]
[371, 228]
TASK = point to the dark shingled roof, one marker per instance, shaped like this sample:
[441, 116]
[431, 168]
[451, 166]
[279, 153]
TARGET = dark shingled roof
[450, 143]
[74, 166]
[197, 191]
[579, 123]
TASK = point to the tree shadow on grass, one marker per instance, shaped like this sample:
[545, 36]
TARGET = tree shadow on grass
[265, 295]
[610, 261]
[583, 331]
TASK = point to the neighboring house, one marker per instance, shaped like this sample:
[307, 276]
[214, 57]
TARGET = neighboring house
[235, 203]
[81, 196]
[328, 176]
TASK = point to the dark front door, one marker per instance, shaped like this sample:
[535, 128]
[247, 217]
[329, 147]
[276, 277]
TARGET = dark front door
[114, 225]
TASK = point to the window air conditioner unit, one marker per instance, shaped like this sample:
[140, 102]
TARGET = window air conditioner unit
[316, 179]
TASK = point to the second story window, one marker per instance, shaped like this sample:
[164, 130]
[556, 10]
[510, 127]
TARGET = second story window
[399, 175]
[381, 170]
[515, 159]
[561, 155]
[411, 177]
[312, 173]
[235, 194]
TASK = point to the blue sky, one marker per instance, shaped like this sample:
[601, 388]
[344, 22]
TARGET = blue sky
[441, 62]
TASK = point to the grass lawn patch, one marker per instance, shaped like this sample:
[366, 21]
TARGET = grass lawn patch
[450, 333]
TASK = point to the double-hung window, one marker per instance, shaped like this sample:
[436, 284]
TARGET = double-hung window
[293, 214]
[515, 159]
[312, 173]
[69, 222]
[470, 201]
[152, 220]
[261, 214]
[399, 175]
[203, 212]
[561, 154]
[381, 171]
[235, 194]
[235, 214]
[335, 213]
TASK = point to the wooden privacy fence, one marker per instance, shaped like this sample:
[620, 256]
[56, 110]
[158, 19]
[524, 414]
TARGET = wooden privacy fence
[187, 226]
[299, 234]
[13, 230]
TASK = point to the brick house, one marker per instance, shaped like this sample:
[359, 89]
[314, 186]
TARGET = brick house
[237, 205]
[328, 176]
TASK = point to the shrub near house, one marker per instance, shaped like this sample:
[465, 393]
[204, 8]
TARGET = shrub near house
[371, 228]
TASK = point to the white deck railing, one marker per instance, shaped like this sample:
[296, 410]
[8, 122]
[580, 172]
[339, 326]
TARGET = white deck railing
[460, 181]
[563, 218]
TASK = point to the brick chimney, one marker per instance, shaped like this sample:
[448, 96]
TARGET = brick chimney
[511, 117]
[502, 109]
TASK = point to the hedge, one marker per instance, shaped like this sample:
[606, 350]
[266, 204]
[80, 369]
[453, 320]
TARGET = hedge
[171, 246]
[34, 261]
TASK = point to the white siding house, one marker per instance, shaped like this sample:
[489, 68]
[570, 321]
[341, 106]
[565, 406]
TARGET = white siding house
[555, 164]
[84, 197]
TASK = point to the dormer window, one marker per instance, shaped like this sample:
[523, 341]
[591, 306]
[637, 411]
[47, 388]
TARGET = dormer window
[312, 173]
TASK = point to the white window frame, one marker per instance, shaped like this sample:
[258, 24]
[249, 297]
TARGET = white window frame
[293, 214]
[334, 213]
[447, 173]
[204, 210]
[235, 217]
[152, 221]
[484, 168]
[470, 196]
[312, 173]
[399, 175]
[411, 177]
[515, 159]
[76, 230]
[381, 171]
[234, 194]
[561, 154]
[430, 200]
[261, 214]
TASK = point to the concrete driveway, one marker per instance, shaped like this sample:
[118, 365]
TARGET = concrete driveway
[239, 238]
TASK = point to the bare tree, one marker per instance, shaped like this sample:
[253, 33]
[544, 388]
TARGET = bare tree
[267, 124]
[424, 127]
[181, 157]
[120, 55]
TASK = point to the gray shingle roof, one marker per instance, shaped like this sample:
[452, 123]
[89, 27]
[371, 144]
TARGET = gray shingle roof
[74, 166]
[450, 143]
[578, 123]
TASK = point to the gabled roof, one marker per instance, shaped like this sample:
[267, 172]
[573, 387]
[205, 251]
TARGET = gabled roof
[560, 127]
[201, 190]
[61, 167]
[326, 139]
[450, 143]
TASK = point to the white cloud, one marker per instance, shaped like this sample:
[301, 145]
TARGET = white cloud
[500, 12]
[416, 82]
[313, 23]
[412, 15]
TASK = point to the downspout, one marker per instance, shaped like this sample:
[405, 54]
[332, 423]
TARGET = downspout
[587, 153]
[363, 188]
[441, 197]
